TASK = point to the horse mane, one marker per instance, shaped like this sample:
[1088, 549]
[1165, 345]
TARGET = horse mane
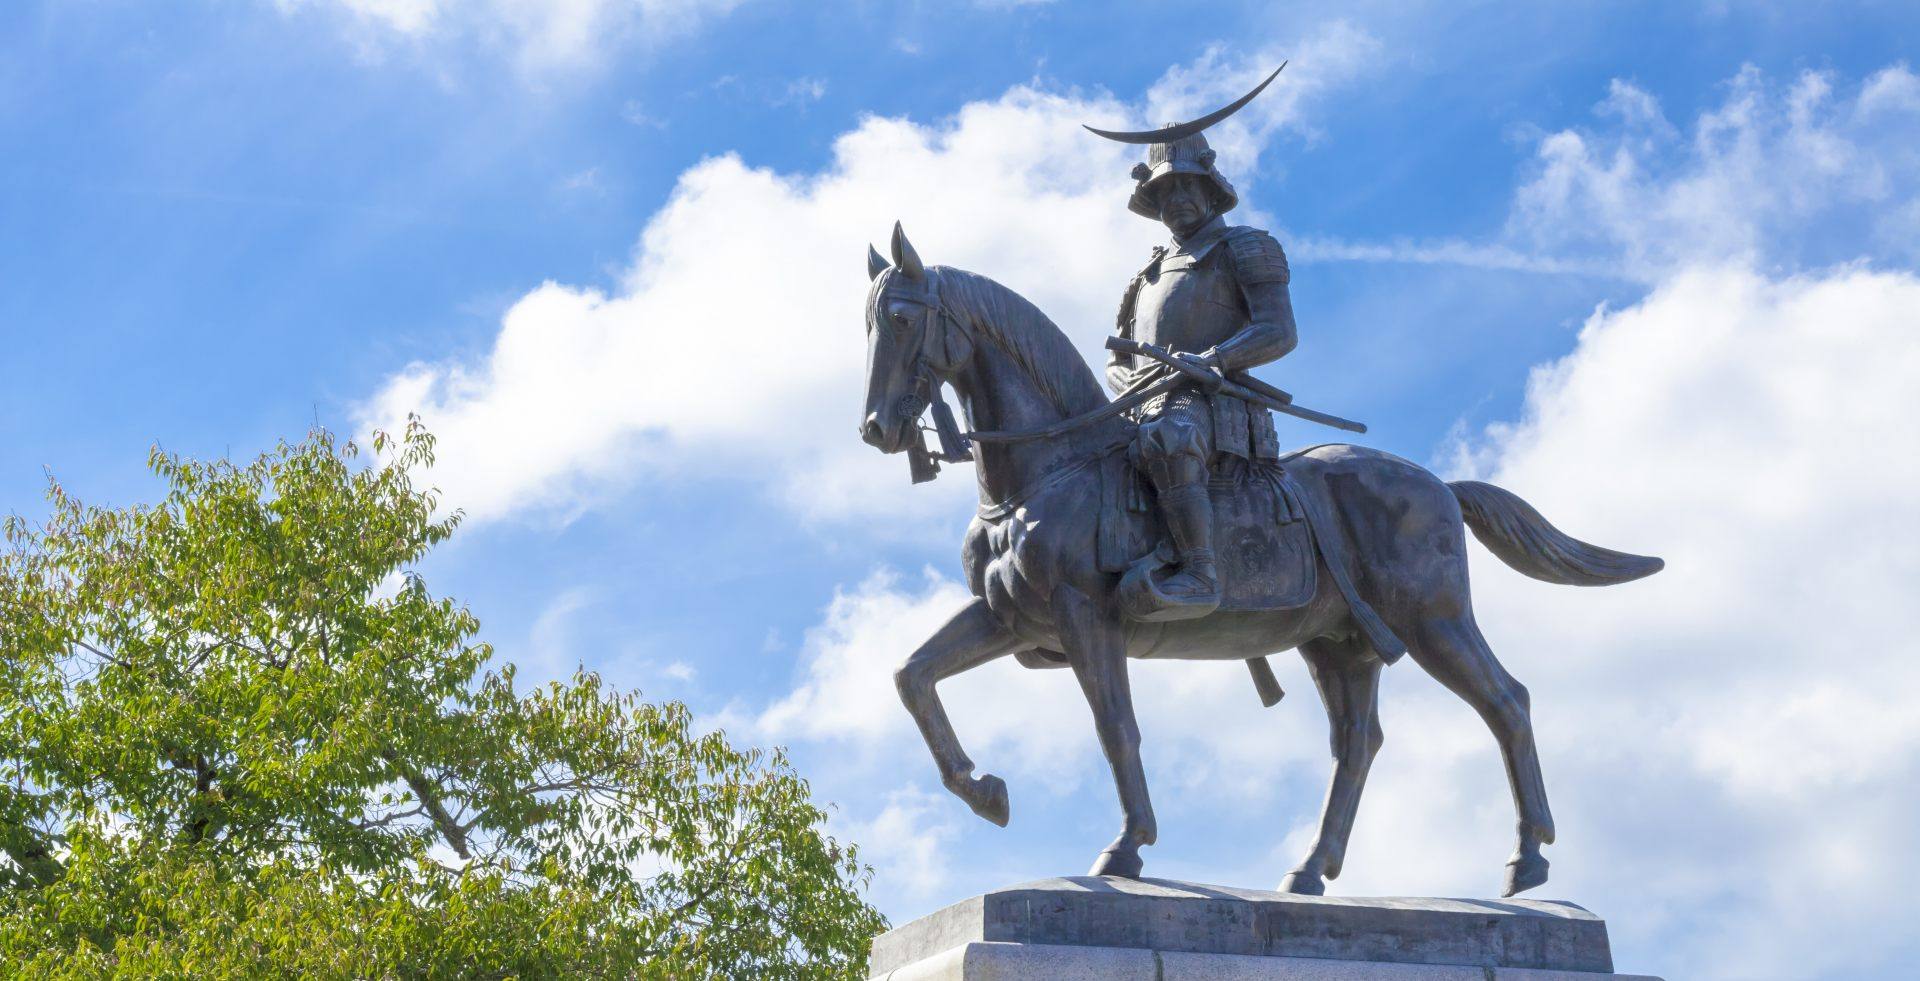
[1034, 342]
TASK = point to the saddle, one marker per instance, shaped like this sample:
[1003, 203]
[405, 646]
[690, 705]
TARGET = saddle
[1265, 542]
[1262, 543]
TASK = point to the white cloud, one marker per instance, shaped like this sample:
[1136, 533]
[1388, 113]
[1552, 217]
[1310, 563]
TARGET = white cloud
[801, 92]
[1444, 253]
[1894, 90]
[1636, 108]
[911, 838]
[735, 342]
[850, 656]
[1773, 177]
[1770, 176]
[541, 34]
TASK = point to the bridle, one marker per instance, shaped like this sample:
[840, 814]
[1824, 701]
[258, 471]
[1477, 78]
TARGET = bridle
[929, 378]
[955, 445]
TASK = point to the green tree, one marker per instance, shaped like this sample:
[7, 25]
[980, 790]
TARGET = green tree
[239, 738]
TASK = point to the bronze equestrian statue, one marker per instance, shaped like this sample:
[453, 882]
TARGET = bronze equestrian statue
[1226, 549]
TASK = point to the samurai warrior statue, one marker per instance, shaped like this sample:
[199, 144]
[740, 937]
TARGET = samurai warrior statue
[1215, 295]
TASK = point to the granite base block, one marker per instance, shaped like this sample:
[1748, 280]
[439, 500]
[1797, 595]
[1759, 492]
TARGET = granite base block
[1157, 930]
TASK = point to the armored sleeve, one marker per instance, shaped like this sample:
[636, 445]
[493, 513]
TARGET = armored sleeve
[1260, 267]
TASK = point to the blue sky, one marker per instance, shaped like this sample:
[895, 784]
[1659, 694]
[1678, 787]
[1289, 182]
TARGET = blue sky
[1621, 257]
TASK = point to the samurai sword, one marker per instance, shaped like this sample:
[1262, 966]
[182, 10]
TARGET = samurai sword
[1238, 386]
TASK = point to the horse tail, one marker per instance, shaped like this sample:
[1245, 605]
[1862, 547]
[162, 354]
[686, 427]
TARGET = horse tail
[1511, 529]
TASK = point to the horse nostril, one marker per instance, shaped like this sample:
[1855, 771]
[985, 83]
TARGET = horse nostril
[871, 431]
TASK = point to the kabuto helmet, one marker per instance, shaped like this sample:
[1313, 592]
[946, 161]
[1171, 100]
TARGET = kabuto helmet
[1179, 148]
[1187, 155]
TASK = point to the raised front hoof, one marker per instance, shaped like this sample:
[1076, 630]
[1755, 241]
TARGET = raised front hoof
[1303, 884]
[1524, 874]
[987, 796]
[1118, 860]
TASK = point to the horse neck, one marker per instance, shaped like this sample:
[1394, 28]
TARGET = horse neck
[1000, 391]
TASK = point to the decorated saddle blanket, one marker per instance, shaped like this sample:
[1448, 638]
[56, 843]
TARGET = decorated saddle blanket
[1261, 539]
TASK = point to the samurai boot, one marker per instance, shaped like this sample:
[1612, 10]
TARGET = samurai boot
[1190, 588]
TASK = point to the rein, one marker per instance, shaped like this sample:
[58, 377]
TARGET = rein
[1081, 421]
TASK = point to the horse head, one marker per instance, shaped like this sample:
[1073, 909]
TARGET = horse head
[912, 344]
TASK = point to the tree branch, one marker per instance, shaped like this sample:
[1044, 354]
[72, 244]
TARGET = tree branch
[452, 830]
[386, 819]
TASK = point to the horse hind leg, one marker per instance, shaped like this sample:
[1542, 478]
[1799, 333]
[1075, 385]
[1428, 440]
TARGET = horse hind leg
[1454, 652]
[1348, 675]
[971, 638]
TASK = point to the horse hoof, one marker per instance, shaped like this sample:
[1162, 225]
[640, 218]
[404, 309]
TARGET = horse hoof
[1524, 874]
[988, 798]
[1303, 884]
[1118, 861]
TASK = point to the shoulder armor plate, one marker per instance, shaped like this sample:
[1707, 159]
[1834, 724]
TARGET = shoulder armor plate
[1257, 258]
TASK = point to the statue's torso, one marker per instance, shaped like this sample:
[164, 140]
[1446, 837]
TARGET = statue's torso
[1189, 302]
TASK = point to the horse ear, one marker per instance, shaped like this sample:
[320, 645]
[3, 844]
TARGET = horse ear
[904, 256]
[875, 264]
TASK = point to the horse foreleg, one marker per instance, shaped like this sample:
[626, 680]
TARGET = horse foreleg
[971, 638]
[1348, 675]
[1453, 651]
[1096, 647]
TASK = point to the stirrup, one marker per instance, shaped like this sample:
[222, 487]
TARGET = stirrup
[1141, 598]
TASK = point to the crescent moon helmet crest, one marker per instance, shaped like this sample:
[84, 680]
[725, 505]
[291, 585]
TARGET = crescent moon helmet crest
[1177, 131]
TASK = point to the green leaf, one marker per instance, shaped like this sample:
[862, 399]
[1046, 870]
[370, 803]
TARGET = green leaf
[240, 737]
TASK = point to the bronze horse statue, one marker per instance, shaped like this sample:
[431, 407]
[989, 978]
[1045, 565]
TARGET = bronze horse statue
[1394, 531]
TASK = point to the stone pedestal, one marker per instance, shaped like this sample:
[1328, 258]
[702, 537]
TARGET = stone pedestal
[1103, 929]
